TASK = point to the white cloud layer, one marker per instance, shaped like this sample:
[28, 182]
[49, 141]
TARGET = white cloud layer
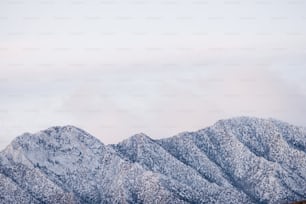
[121, 68]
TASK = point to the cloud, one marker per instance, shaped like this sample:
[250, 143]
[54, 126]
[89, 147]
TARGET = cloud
[232, 92]
[176, 101]
[128, 70]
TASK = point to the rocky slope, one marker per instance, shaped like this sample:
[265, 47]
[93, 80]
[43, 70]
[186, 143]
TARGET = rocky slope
[239, 160]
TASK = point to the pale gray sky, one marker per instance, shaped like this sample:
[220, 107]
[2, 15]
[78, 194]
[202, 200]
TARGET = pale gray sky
[116, 68]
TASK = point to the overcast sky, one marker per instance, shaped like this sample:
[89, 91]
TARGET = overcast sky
[117, 68]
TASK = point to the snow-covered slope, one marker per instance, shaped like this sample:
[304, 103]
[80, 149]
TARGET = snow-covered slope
[239, 160]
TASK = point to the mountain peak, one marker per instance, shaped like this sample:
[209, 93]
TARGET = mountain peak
[139, 137]
[241, 120]
[244, 120]
[58, 134]
[65, 128]
[237, 160]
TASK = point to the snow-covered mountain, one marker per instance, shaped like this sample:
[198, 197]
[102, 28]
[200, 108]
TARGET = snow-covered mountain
[239, 160]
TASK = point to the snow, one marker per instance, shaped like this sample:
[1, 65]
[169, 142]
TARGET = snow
[238, 160]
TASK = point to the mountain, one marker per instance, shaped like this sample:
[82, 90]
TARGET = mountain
[238, 160]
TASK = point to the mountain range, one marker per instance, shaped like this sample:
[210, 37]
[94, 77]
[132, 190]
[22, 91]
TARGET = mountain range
[237, 160]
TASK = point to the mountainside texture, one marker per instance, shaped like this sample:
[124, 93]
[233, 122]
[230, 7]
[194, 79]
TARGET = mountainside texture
[239, 160]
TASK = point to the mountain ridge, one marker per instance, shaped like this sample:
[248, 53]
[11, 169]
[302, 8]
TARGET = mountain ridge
[237, 160]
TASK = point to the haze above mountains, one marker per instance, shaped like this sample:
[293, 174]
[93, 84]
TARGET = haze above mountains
[238, 160]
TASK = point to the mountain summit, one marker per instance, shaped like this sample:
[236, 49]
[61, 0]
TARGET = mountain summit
[239, 160]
